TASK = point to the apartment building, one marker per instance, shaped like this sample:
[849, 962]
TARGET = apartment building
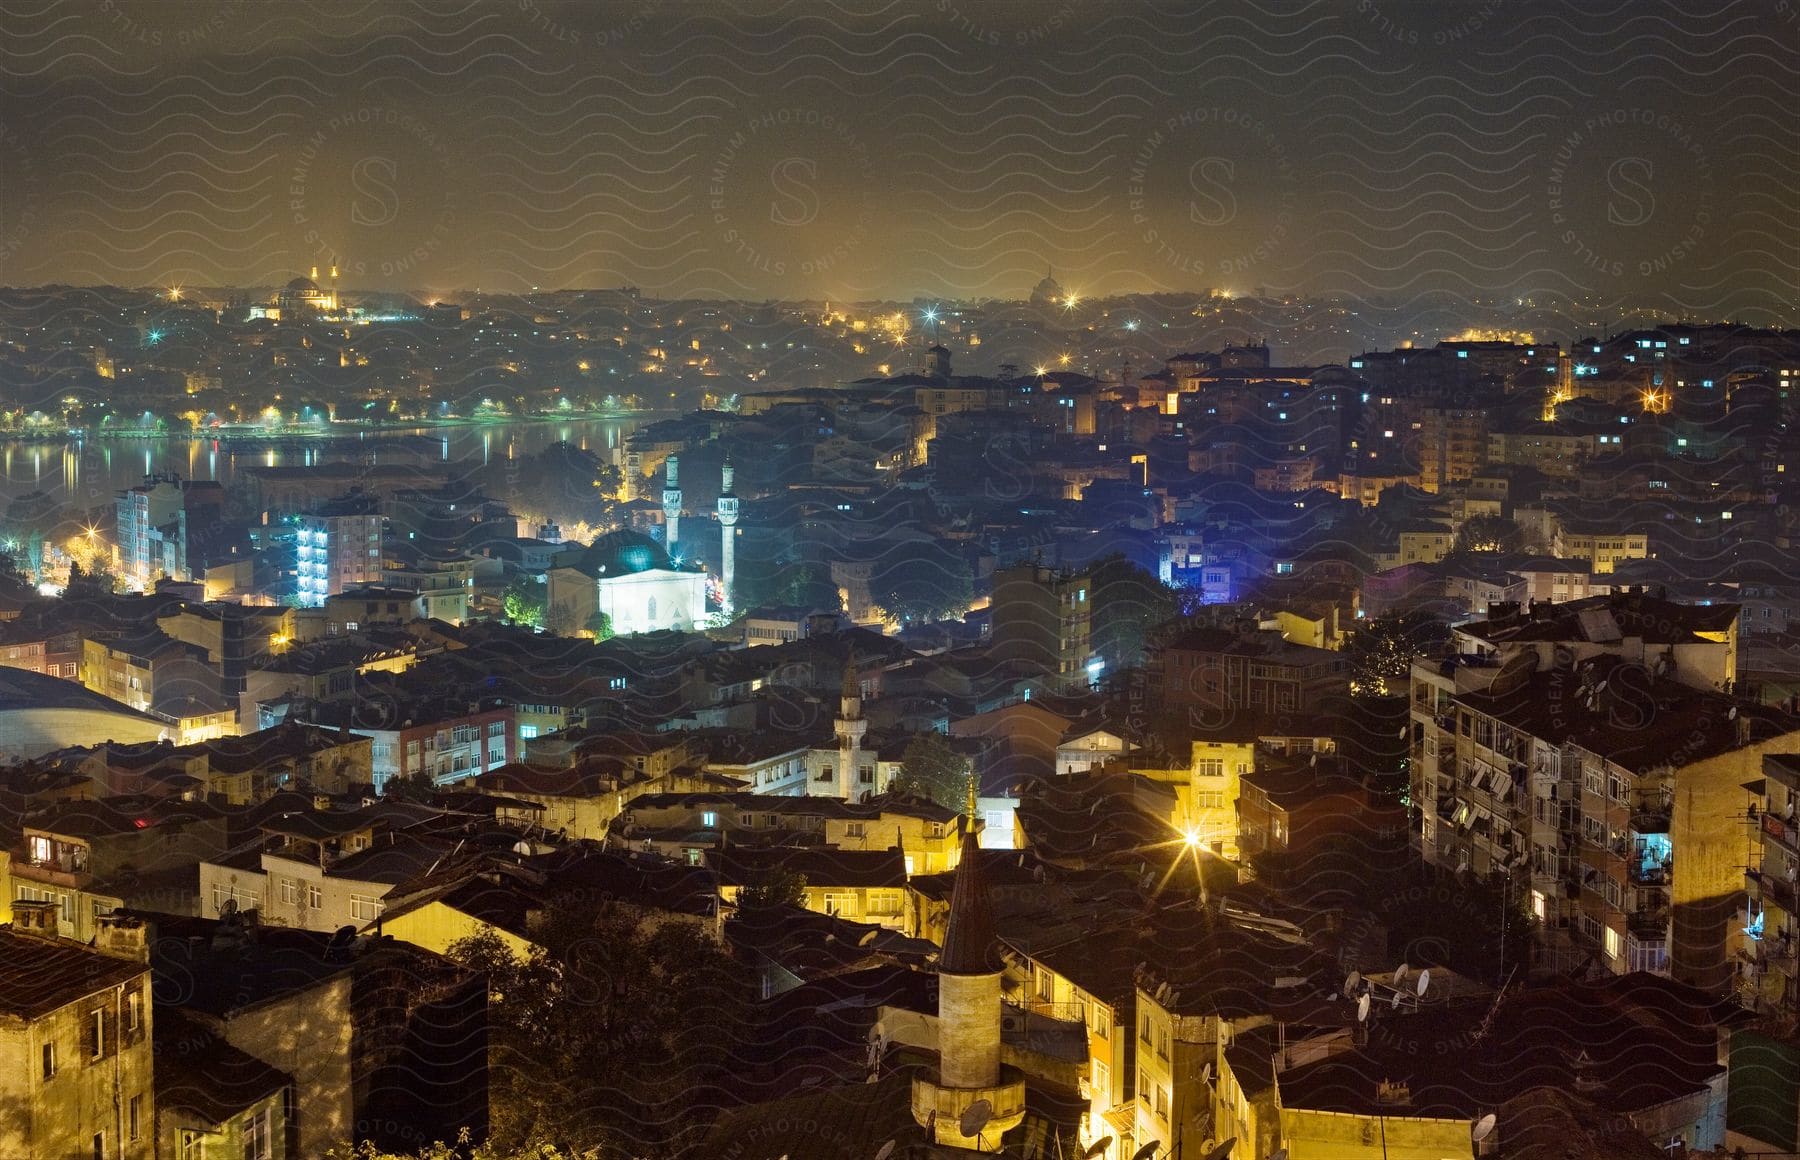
[1042, 619]
[1606, 789]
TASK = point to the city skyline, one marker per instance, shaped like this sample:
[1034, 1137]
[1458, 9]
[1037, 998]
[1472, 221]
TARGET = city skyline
[1372, 151]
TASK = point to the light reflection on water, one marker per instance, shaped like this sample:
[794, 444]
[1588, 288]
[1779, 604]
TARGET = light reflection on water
[89, 473]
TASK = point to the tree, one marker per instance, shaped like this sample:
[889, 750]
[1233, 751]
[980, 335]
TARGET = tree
[777, 888]
[598, 625]
[760, 582]
[12, 578]
[525, 599]
[611, 1034]
[87, 585]
[1381, 651]
[1126, 603]
[1489, 535]
[463, 1149]
[931, 769]
[922, 586]
[412, 787]
[559, 619]
[562, 482]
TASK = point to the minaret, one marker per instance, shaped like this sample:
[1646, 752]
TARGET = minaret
[728, 517]
[850, 729]
[672, 505]
[969, 1068]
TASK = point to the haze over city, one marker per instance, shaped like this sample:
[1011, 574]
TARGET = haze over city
[899, 580]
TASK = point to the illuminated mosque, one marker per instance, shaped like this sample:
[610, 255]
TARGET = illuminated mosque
[303, 298]
[629, 577]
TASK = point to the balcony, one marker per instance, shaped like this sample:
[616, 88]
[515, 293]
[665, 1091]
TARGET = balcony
[1775, 830]
[1649, 922]
[1772, 889]
[70, 873]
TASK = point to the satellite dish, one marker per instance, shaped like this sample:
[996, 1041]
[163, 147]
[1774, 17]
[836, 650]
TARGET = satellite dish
[522, 848]
[883, 1152]
[1206, 1074]
[1394, 1000]
[1223, 1150]
[1424, 982]
[1362, 1009]
[228, 908]
[1352, 983]
[1147, 1151]
[1731, 714]
[976, 1117]
[1483, 1126]
[873, 1078]
[1097, 1148]
[1400, 974]
[1162, 992]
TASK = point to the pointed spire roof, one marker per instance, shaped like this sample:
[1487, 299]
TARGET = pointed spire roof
[969, 944]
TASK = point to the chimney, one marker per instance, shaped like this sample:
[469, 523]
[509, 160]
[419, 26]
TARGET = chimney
[123, 937]
[37, 918]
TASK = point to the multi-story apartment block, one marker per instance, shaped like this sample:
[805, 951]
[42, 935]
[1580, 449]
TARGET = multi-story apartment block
[153, 522]
[1601, 548]
[412, 734]
[1453, 445]
[1258, 671]
[1041, 618]
[1769, 963]
[338, 546]
[1606, 782]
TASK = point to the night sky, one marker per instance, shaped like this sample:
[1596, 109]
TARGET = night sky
[1612, 153]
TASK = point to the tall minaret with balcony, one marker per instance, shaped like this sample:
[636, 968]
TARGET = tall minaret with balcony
[968, 972]
[672, 505]
[850, 730]
[728, 518]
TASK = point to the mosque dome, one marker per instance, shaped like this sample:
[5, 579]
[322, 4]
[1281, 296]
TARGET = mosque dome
[623, 553]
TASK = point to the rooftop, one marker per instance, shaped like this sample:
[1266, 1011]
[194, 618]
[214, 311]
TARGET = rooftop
[39, 975]
[1605, 620]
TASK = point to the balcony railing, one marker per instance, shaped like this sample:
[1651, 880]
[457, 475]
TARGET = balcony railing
[1771, 888]
[57, 873]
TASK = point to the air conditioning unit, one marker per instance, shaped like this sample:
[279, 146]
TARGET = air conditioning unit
[1012, 1023]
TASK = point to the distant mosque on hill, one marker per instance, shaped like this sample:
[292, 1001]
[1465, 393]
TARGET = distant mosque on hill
[303, 299]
